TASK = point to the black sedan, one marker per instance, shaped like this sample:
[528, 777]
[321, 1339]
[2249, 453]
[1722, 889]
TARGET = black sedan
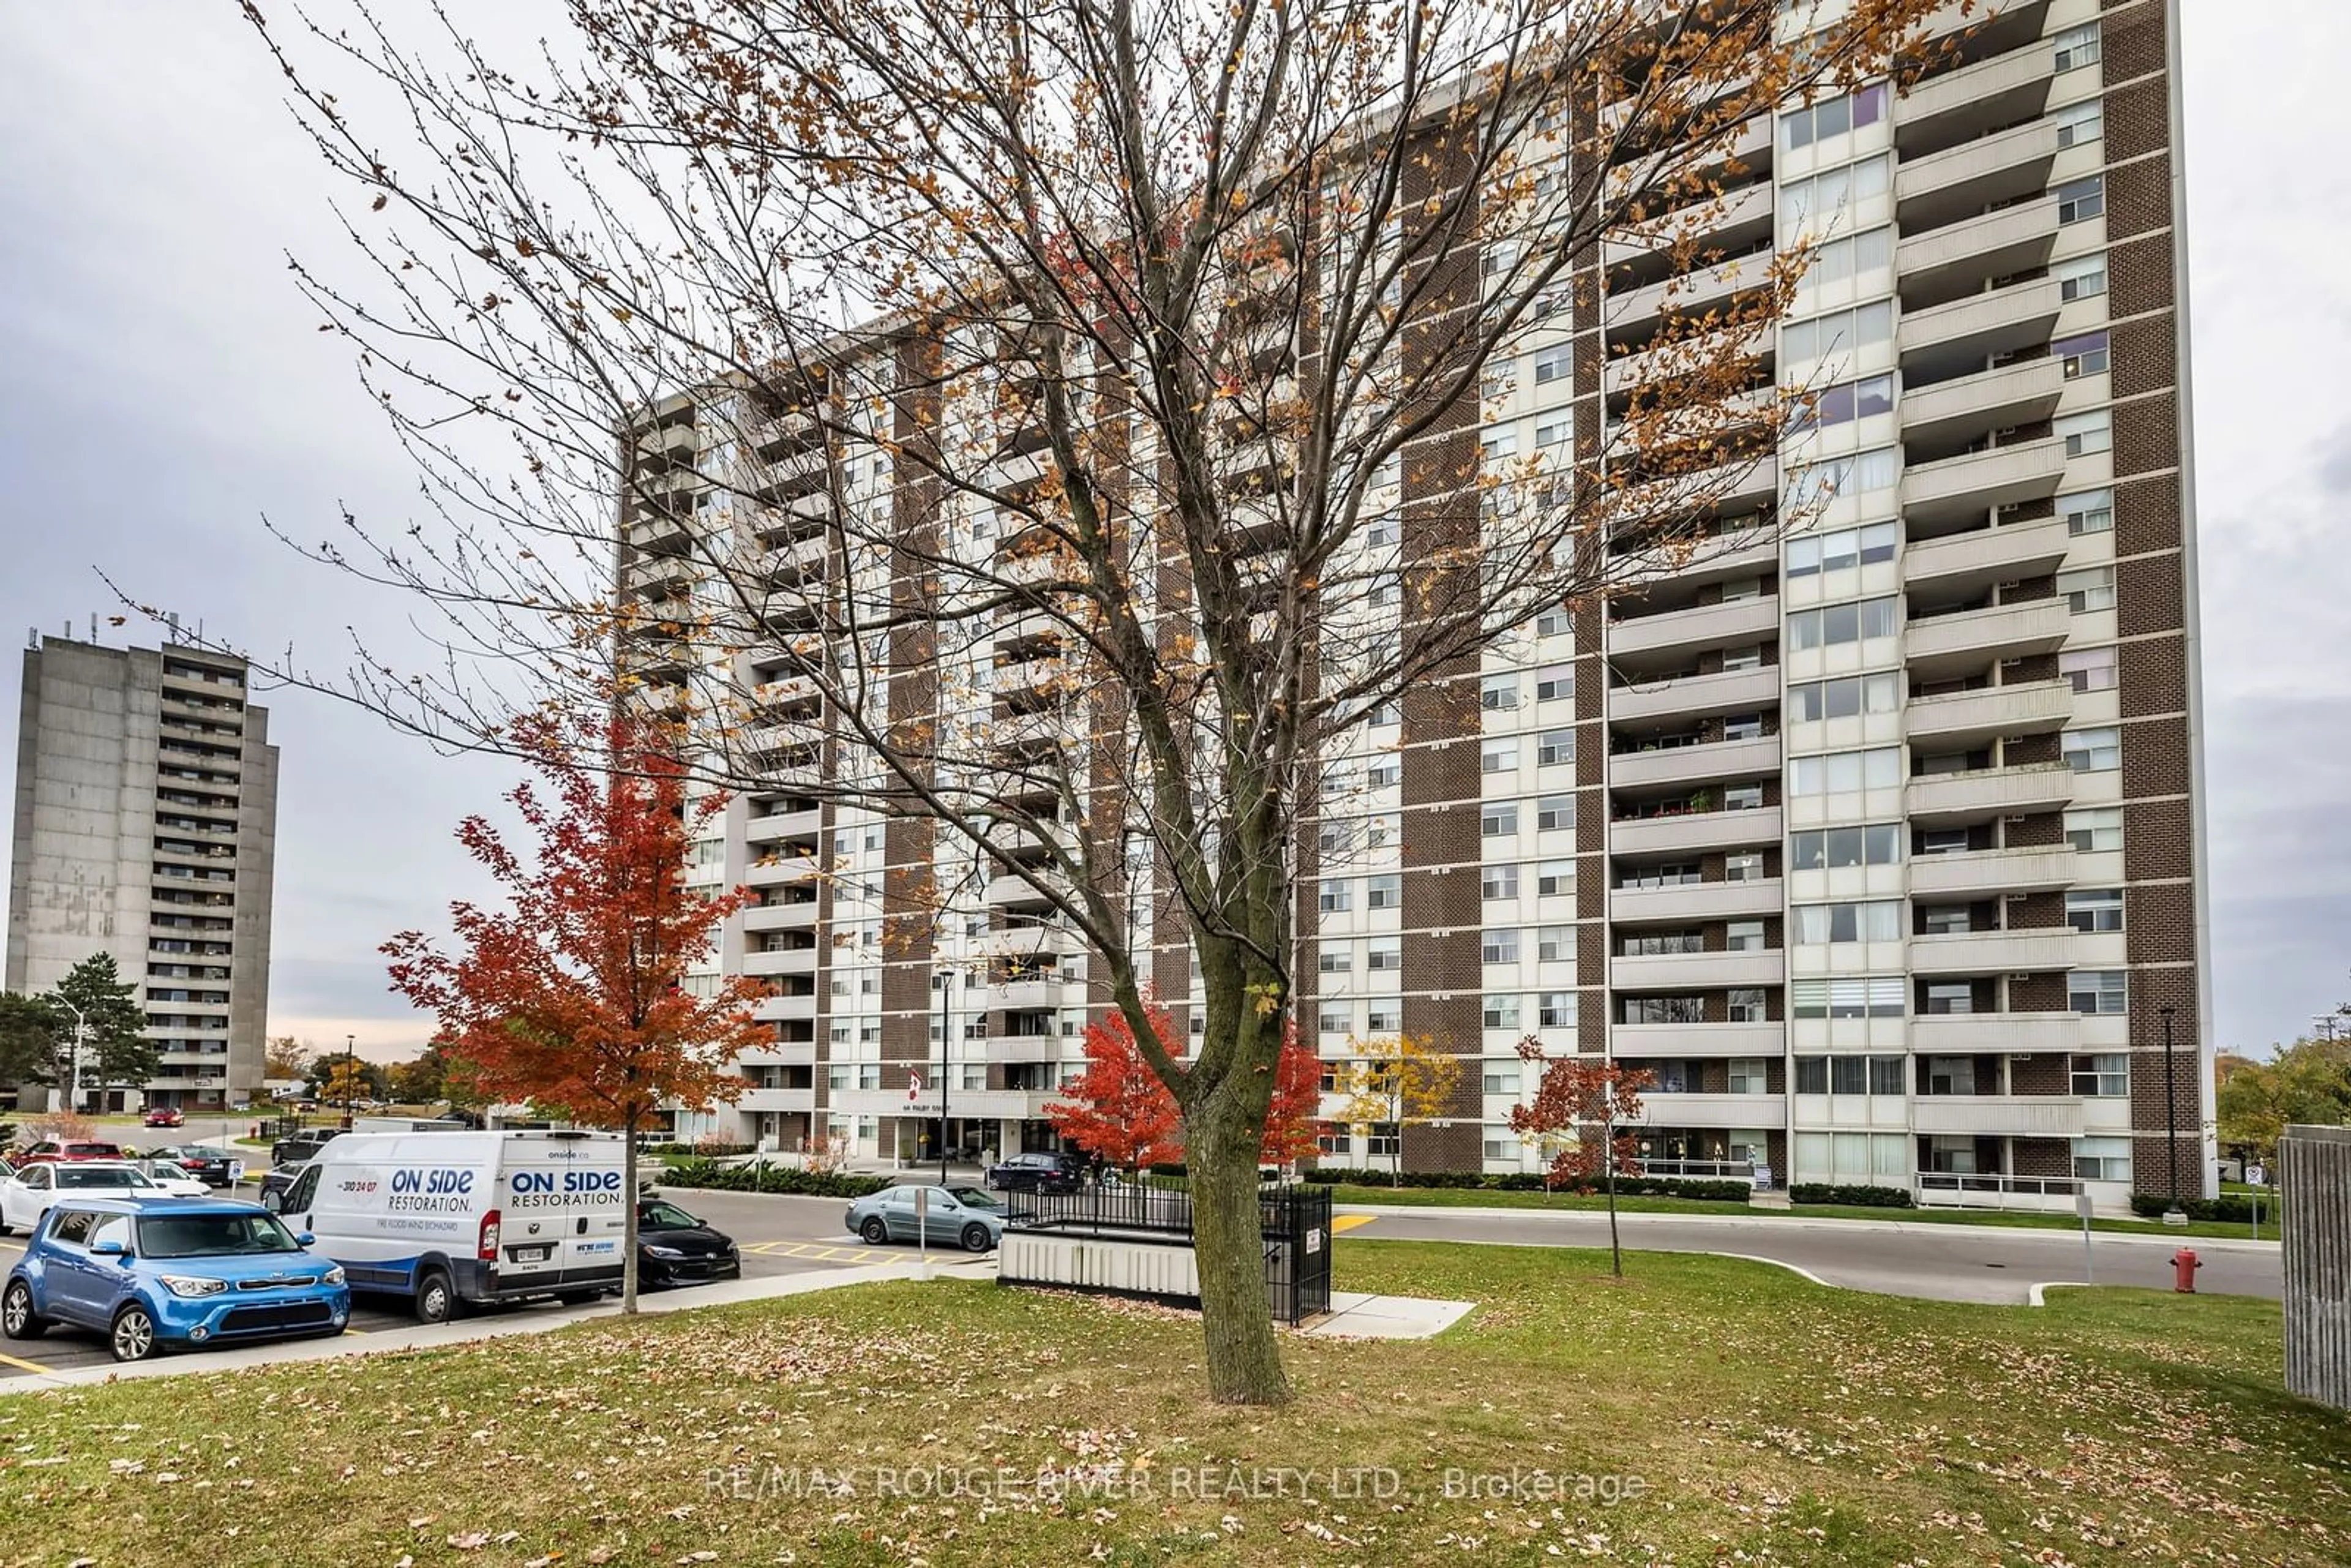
[1038, 1172]
[674, 1247]
[212, 1166]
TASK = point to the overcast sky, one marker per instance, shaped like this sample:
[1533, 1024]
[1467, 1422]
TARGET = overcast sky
[163, 386]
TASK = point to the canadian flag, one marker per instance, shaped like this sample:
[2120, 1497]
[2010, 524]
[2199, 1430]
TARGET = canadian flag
[913, 1087]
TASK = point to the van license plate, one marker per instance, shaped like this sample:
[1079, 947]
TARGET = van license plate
[532, 1254]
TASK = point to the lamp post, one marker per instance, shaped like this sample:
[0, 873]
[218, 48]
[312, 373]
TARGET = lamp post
[351, 1075]
[943, 979]
[73, 1079]
[2170, 1113]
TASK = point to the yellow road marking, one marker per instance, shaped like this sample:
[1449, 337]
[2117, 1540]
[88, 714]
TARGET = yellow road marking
[1345, 1222]
[25, 1365]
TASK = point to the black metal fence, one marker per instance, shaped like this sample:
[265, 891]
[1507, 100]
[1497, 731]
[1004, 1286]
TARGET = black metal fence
[1294, 1226]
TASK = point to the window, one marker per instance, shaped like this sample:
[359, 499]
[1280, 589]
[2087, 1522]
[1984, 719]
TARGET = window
[1650, 945]
[2080, 279]
[1743, 866]
[1384, 773]
[1499, 945]
[2088, 669]
[2087, 511]
[2094, 909]
[1840, 331]
[1742, 726]
[1945, 920]
[2092, 587]
[1384, 1140]
[1886, 1075]
[2102, 1159]
[1385, 1017]
[1745, 936]
[1847, 402]
[1841, 772]
[1498, 881]
[1816, 206]
[1878, 997]
[1498, 820]
[2084, 355]
[2095, 830]
[1748, 658]
[1818, 700]
[1815, 484]
[1558, 746]
[2080, 123]
[1846, 547]
[1502, 1012]
[1742, 797]
[1385, 954]
[1748, 1006]
[1554, 811]
[1552, 365]
[1664, 1010]
[1551, 622]
[2081, 200]
[1555, 1009]
[2106, 1076]
[1335, 896]
[1332, 1020]
[1555, 879]
[1501, 1144]
[1499, 693]
[2093, 750]
[1501, 1077]
[1830, 847]
[1554, 683]
[1848, 1075]
[1384, 891]
[1499, 756]
[2099, 992]
[1555, 944]
[1949, 998]
[1833, 625]
[1833, 117]
[1811, 1075]
[1333, 960]
[1877, 921]
[2077, 47]
[1749, 1075]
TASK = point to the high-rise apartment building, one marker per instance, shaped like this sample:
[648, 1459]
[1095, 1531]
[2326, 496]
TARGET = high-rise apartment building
[1874, 836]
[146, 827]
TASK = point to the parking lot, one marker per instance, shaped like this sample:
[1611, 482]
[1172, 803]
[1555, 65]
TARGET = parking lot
[777, 1235]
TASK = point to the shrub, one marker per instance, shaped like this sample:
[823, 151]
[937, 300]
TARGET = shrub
[776, 1179]
[2230, 1208]
[1530, 1181]
[1852, 1196]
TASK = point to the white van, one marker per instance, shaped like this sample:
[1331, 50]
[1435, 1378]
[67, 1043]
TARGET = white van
[447, 1218]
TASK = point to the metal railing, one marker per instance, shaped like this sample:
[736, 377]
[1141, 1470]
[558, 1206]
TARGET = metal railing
[1293, 1228]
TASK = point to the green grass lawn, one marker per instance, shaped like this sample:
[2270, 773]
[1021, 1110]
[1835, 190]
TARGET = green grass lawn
[1764, 1420]
[1470, 1197]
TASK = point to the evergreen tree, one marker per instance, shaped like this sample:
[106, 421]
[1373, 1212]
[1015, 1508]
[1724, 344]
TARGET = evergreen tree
[115, 1055]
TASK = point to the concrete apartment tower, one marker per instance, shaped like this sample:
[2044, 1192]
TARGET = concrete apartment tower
[146, 827]
[1876, 839]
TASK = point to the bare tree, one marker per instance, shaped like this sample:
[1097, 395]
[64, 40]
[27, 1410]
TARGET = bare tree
[1057, 426]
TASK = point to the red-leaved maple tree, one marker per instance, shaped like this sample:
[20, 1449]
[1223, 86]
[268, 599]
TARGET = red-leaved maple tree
[1582, 1109]
[572, 996]
[1119, 1108]
[1292, 1120]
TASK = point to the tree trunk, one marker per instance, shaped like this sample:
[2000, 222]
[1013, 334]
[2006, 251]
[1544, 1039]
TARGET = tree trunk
[628, 1212]
[1235, 1316]
[1608, 1164]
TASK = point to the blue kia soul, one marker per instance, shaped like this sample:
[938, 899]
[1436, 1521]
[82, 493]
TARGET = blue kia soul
[154, 1274]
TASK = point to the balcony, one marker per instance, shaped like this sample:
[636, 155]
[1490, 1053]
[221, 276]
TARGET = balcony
[1969, 486]
[1689, 901]
[1036, 939]
[1975, 562]
[1697, 1039]
[1694, 830]
[1952, 799]
[1993, 952]
[780, 961]
[1987, 874]
[779, 1054]
[780, 825]
[1012, 1047]
[784, 1009]
[1729, 691]
[1020, 996]
[2029, 707]
[1951, 1189]
[1960, 260]
[1738, 622]
[2017, 1034]
[1962, 640]
[1967, 178]
[1698, 971]
[1952, 415]
[1691, 294]
[1945, 340]
[1720, 223]
[782, 870]
[1959, 105]
[1704, 764]
[1997, 1115]
[777, 1100]
[1713, 1111]
[780, 917]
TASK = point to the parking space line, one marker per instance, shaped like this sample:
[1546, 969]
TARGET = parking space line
[25, 1365]
[1346, 1222]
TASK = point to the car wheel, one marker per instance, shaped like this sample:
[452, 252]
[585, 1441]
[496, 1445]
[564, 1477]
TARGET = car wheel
[18, 1319]
[435, 1302]
[577, 1298]
[873, 1230]
[133, 1338]
[976, 1238]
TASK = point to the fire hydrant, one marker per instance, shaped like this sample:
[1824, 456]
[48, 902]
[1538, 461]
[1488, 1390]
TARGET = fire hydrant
[2184, 1264]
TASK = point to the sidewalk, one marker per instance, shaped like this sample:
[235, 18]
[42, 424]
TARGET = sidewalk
[2156, 1234]
[522, 1320]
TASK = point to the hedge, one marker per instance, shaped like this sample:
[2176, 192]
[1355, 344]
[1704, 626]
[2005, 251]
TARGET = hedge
[789, 1179]
[1530, 1181]
[2230, 1208]
[1852, 1196]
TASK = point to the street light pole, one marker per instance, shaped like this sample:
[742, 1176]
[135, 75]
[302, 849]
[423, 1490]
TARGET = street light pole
[945, 980]
[2170, 1112]
[350, 1074]
[73, 1079]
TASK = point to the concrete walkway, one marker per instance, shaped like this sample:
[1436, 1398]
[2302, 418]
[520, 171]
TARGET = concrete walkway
[1356, 1316]
[2157, 1234]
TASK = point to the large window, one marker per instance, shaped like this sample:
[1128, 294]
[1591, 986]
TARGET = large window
[1498, 944]
[1841, 772]
[2094, 909]
[1844, 403]
[1838, 332]
[2106, 1076]
[2077, 47]
[1812, 553]
[1834, 624]
[2098, 991]
[2088, 669]
[1498, 819]
[1841, 259]
[2102, 1159]
[1833, 117]
[2091, 588]
[1498, 881]
[2081, 200]
[1816, 700]
[2085, 355]
[2095, 830]
[2080, 277]
[2085, 432]
[2078, 124]
[1820, 848]
[2093, 750]
[2087, 511]
[1664, 1009]
[1816, 206]
[1814, 483]
[1876, 921]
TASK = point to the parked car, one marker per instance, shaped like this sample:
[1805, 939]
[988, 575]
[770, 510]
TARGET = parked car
[212, 1166]
[152, 1274]
[71, 1149]
[163, 1116]
[33, 1190]
[302, 1146]
[964, 1216]
[1038, 1173]
[674, 1247]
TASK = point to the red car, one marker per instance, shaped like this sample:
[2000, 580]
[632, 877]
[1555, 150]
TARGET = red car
[72, 1149]
[164, 1116]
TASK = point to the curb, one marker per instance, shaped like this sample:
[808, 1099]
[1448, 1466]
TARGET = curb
[1830, 1226]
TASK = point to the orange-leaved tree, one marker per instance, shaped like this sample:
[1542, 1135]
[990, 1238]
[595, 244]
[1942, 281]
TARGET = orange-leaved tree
[1580, 1109]
[1118, 1107]
[1290, 1121]
[572, 996]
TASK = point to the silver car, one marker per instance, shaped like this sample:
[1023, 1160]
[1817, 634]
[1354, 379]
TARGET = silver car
[964, 1216]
